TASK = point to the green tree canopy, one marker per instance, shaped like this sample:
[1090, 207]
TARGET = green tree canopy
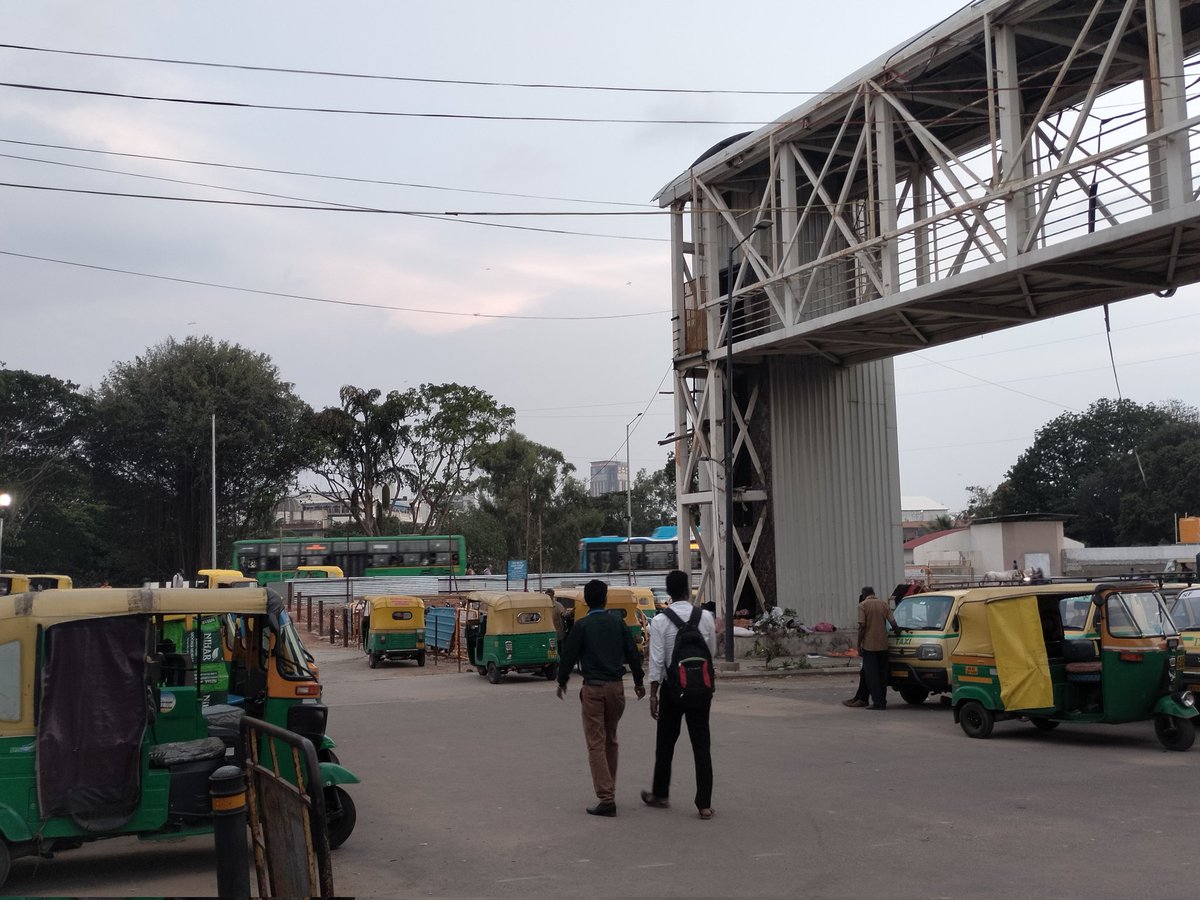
[361, 444]
[451, 424]
[52, 522]
[1090, 465]
[152, 443]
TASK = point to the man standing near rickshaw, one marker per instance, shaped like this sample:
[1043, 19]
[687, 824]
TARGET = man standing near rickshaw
[603, 646]
[873, 618]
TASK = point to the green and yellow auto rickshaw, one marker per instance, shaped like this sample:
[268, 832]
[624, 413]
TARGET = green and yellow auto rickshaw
[622, 602]
[303, 572]
[103, 729]
[393, 627]
[212, 579]
[511, 632]
[1185, 613]
[1014, 659]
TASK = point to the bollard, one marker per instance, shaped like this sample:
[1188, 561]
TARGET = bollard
[345, 627]
[227, 788]
[333, 626]
[321, 617]
[309, 622]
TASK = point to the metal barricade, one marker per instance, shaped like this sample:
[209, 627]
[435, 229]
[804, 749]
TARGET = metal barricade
[286, 809]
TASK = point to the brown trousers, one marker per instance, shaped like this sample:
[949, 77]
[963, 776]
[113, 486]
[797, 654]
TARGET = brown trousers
[602, 705]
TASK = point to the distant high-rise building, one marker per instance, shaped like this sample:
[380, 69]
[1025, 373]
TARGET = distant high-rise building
[609, 476]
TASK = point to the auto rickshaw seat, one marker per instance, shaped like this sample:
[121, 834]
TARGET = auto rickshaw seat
[174, 753]
[177, 670]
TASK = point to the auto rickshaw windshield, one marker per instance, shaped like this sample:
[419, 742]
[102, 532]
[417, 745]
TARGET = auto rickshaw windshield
[289, 651]
[1074, 612]
[923, 611]
[1186, 611]
[1139, 614]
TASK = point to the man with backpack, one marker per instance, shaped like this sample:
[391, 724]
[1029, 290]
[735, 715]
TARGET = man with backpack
[683, 641]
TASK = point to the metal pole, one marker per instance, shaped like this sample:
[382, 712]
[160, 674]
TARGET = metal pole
[728, 433]
[214, 491]
[5, 501]
[629, 501]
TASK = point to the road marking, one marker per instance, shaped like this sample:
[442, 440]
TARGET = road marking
[764, 855]
[661, 865]
[522, 878]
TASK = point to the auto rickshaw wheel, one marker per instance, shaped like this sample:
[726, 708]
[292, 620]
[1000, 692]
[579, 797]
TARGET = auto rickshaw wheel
[493, 673]
[913, 695]
[1174, 733]
[421, 658]
[1041, 723]
[373, 660]
[5, 861]
[482, 670]
[340, 816]
[976, 719]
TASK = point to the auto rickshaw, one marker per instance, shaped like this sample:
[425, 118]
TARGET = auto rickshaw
[1185, 613]
[104, 734]
[212, 579]
[621, 602]
[919, 657]
[393, 627]
[644, 597]
[511, 632]
[18, 584]
[319, 572]
[1014, 659]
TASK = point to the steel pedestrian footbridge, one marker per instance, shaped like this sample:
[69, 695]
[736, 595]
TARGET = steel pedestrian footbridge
[1020, 160]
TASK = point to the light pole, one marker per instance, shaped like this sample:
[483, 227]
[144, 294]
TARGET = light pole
[5, 502]
[730, 279]
[629, 500]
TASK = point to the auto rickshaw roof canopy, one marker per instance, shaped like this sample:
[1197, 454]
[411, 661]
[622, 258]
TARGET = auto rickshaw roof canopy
[381, 601]
[511, 599]
[66, 605]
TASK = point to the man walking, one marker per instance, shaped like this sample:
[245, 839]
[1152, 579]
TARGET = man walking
[602, 646]
[668, 711]
[873, 619]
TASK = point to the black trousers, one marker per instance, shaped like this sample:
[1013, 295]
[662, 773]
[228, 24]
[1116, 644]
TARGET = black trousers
[670, 720]
[875, 668]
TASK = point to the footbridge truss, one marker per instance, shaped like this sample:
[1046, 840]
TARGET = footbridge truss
[1021, 160]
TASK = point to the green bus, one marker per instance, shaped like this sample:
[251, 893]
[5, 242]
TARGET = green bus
[398, 554]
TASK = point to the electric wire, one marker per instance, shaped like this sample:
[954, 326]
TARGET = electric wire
[284, 295]
[633, 426]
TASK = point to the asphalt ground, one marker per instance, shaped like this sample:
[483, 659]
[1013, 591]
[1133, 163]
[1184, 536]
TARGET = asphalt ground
[478, 790]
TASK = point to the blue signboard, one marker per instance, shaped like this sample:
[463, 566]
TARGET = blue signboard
[518, 571]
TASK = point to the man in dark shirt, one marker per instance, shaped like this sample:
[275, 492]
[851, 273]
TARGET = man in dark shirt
[603, 646]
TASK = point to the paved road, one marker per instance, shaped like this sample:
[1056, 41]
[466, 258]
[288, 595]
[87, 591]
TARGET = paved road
[472, 789]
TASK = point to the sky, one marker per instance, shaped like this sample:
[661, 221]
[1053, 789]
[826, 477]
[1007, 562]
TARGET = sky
[570, 329]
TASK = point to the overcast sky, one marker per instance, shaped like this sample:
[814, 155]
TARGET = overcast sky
[572, 330]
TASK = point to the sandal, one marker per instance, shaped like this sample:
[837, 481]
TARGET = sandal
[707, 814]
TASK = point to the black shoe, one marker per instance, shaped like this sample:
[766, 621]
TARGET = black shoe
[877, 706]
[603, 809]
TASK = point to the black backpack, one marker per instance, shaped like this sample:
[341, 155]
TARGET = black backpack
[690, 674]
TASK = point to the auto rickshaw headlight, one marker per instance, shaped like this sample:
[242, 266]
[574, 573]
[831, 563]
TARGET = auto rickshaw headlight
[1186, 698]
[929, 651]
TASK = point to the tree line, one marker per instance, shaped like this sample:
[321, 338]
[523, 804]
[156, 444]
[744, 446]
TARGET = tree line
[114, 484]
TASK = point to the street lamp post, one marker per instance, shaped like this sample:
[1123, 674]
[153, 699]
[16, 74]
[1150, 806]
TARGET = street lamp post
[629, 501]
[730, 585]
[5, 502]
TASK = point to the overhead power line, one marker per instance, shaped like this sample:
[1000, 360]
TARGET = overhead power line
[406, 78]
[308, 298]
[236, 104]
[348, 178]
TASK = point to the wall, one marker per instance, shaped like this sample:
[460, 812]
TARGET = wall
[835, 485]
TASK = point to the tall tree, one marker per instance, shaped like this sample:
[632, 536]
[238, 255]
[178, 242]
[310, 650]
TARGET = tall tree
[521, 483]
[361, 444]
[152, 443]
[451, 424]
[1118, 469]
[52, 522]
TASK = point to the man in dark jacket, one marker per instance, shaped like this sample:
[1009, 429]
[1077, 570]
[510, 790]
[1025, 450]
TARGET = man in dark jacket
[602, 646]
